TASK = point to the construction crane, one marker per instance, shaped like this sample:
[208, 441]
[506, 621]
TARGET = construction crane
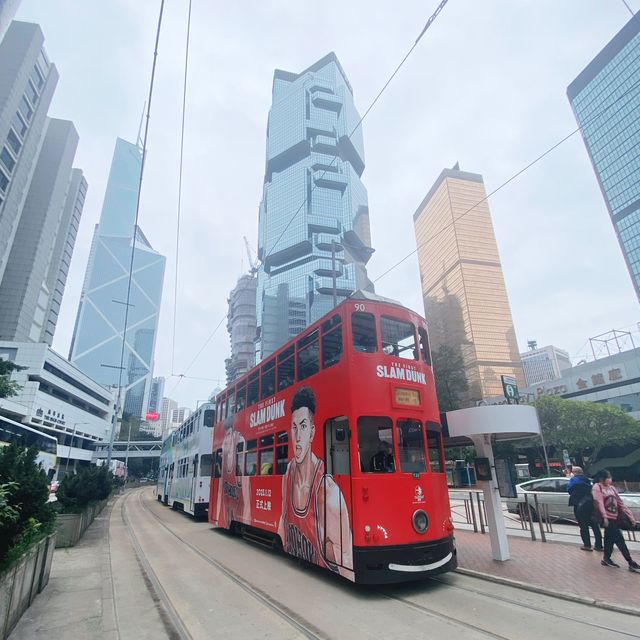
[253, 262]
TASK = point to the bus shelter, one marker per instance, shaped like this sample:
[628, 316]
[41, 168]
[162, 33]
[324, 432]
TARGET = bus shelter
[484, 425]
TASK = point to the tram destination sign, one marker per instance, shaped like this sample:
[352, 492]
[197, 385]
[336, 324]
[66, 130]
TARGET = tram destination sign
[410, 397]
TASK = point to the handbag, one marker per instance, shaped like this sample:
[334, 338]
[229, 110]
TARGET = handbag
[624, 521]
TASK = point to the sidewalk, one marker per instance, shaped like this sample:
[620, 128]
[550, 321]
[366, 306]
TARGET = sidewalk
[554, 568]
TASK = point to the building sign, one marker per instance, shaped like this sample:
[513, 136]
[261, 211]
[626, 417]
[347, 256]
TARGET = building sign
[51, 416]
[152, 416]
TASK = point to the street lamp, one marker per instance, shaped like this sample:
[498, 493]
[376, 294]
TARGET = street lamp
[66, 464]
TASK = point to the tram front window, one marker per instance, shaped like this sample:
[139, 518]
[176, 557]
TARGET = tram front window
[411, 446]
[434, 444]
[398, 338]
[375, 444]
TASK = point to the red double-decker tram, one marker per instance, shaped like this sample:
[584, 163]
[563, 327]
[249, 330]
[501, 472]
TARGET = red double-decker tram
[332, 447]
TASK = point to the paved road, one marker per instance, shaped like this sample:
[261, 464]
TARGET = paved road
[206, 584]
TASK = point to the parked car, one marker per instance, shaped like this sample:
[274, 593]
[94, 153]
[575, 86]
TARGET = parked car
[553, 493]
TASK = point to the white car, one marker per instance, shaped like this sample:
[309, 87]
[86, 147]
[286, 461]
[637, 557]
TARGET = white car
[553, 493]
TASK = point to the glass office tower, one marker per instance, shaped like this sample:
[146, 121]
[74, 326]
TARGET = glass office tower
[605, 99]
[314, 235]
[97, 338]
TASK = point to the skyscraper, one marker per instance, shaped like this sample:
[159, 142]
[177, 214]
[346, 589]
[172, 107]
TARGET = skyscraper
[241, 325]
[465, 298]
[41, 197]
[605, 98]
[8, 9]
[33, 284]
[314, 235]
[156, 395]
[97, 338]
[27, 83]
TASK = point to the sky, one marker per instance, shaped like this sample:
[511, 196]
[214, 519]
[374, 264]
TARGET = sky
[485, 87]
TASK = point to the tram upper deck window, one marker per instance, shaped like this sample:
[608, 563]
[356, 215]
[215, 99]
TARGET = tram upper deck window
[423, 336]
[231, 403]
[253, 388]
[286, 368]
[331, 341]
[434, 445]
[208, 418]
[398, 338]
[363, 327]
[411, 446]
[375, 444]
[308, 355]
[268, 379]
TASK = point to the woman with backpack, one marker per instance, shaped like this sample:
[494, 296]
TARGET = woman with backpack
[614, 514]
[579, 488]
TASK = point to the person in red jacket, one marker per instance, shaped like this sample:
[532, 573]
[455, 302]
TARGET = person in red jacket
[609, 506]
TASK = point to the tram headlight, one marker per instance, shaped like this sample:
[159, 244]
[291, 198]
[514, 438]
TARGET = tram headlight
[420, 521]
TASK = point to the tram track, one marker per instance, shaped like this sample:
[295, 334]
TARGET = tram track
[533, 607]
[282, 611]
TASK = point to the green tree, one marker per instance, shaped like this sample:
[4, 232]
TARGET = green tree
[8, 387]
[585, 428]
[28, 495]
[450, 378]
[78, 489]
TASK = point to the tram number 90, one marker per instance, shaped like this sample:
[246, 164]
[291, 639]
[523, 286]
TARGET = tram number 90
[359, 306]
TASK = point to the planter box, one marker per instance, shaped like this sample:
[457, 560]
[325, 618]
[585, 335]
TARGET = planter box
[20, 584]
[70, 527]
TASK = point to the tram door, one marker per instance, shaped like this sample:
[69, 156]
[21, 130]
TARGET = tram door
[194, 481]
[338, 466]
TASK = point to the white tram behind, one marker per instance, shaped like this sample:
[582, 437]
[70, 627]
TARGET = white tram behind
[185, 464]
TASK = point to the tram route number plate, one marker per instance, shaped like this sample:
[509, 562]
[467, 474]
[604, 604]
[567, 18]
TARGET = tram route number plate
[409, 397]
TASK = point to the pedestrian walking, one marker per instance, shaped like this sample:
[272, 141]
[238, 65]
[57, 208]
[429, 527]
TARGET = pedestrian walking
[579, 488]
[614, 514]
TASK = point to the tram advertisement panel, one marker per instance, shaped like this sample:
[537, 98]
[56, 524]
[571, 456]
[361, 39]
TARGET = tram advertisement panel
[301, 501]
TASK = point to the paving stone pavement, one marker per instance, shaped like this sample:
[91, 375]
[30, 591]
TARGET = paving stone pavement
[554, 567]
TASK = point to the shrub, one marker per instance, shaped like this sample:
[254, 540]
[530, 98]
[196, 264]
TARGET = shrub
[89, 484]
[25, 512]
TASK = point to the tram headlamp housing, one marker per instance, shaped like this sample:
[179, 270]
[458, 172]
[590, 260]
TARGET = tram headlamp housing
[420, 521]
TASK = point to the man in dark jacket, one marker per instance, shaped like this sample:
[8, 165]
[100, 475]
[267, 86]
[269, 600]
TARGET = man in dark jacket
[579, 488]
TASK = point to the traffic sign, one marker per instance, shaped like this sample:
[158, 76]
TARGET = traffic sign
[510, 388]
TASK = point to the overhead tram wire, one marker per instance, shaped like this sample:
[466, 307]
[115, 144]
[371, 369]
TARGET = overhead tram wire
[135, 223]
[184, 109]
[429, 22]
[508, 181]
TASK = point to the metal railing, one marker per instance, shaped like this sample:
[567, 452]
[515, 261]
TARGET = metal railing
[533, 516]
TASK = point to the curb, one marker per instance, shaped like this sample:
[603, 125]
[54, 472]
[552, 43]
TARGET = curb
[602, 604]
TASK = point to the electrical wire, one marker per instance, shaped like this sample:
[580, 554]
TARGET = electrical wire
[429, 22]
[184, 110]
[508, 181]
[135, 223]
[626, 4]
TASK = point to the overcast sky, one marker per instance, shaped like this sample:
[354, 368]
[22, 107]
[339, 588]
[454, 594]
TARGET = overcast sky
[486, 87]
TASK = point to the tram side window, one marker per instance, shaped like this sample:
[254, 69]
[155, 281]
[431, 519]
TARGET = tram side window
[363, 327]
[282, 452]
[398, 338]
[424, 345]
[231, 402]
[240, 459]
[308, 355]
[241, 397]
[375, 444]
[411, 446]
[434, 444]
[331, 347]
[251, 458]
[268, 379]
[205, 465]
[253, 389]
[265, 462]
[286, 368]
[217, 467]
